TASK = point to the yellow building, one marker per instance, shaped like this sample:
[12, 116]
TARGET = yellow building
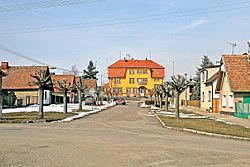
[135, 77]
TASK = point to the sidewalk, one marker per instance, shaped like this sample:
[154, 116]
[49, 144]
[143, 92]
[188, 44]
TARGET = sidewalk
[228, 118]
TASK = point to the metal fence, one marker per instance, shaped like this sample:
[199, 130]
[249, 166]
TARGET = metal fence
[242, 110]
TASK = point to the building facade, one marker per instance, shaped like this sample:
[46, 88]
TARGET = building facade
[135, 77]
[233, 84]
[207, 89]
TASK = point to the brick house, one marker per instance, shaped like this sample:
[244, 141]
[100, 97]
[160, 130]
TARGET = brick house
[18, 80]
[233, 84]
[57, 96]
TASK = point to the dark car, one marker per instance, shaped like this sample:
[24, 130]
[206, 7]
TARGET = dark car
[120, 101]
[90, 101]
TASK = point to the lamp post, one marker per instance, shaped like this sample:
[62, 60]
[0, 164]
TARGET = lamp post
[186, 90]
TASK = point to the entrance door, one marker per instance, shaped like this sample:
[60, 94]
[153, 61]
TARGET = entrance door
[142, 91]
[216, 105]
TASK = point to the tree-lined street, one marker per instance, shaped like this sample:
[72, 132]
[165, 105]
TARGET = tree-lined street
[120, 136]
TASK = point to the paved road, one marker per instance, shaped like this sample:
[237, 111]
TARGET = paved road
[120, 136]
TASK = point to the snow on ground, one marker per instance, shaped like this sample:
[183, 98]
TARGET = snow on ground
[57, 108]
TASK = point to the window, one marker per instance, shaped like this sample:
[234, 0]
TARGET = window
[139, 71]
[131, 80]
[231, 101]
[134, 90]
[145, 71]
[117, 80]
[142, 81]
[131, 71]
[203, 96]
[156, 79]
[128, 90]
[156, 86]
[119, 90]
[209, 96]
[203, 76]
[224, 101]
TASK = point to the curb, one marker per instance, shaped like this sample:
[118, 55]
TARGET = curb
[82, 114]
[200, 132]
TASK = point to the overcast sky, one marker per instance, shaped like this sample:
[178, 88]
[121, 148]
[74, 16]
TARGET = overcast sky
[172, 33]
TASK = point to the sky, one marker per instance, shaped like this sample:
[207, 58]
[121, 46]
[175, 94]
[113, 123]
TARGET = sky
[181, 31]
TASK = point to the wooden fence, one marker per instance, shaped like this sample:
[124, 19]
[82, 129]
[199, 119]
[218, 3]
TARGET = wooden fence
[194, 103]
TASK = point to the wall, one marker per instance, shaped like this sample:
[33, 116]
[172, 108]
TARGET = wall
[206, 104]
[125, 82]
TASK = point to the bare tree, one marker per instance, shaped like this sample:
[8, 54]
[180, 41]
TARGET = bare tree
[108, 92]
[1, 93]
[151, 93]
[41, 80]
[167, 89]
[80, 86]
[178, 83]
[64, 87]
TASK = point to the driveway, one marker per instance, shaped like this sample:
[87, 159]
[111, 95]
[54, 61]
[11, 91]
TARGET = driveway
[120, 136]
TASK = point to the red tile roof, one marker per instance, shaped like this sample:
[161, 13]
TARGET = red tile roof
[136, 63]
[19, 77]
[158, 73]
[214, 77]
[118, 69]
[238, 70]
[70, 79]
[90, 83]
[117, 72]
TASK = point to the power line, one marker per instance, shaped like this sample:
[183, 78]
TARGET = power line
[129, 20]
[15, 53]
[44, 4]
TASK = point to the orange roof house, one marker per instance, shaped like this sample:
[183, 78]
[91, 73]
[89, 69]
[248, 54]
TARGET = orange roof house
[18, 80]
[234, 82]
[135, 77]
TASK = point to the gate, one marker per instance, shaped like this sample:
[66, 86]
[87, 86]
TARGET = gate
[242, 110]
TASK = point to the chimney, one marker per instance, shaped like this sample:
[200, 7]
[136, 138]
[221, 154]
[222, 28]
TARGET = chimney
[4, 65]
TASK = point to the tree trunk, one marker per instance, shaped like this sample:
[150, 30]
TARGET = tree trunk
[177, 105]
[101, 100]
[1, 97]
[154, 100]
[79, 93]
[166, 102]
[40, 102]
[160, 101]
[65, 107]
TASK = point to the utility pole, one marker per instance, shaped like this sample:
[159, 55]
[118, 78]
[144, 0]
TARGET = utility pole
[233, 45]
[248, 49]
[150, 55]
[186, 90]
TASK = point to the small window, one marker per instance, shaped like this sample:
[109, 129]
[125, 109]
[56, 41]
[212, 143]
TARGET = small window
[209, 96]
[224, 101]
[139, 80]
[145, 71]
[128, 90]
[203, 76]
[117, 80]
[156, 79]
[203, 97]
[134, 90]
[139, 71]
[131, 71]
[131, 80]
[231, 101]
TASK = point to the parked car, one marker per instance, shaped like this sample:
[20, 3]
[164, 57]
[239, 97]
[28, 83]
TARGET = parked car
[90, 101]
[120, 101]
